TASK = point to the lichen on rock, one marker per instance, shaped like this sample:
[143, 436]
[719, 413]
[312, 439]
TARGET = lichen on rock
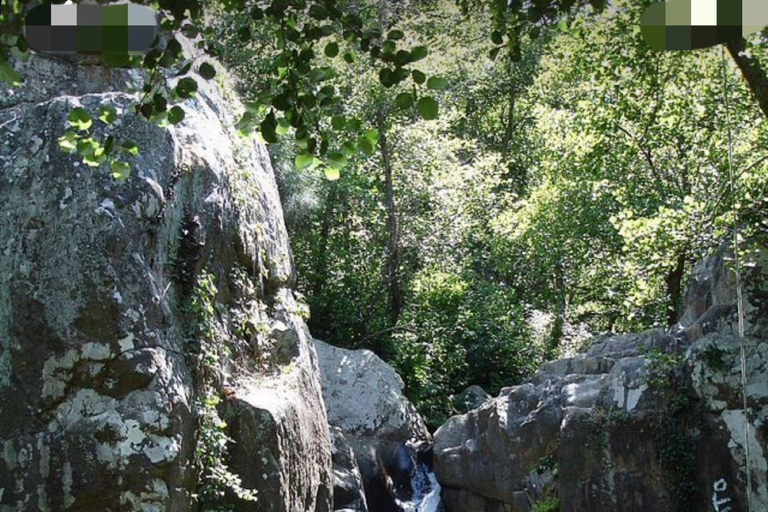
[98, 379]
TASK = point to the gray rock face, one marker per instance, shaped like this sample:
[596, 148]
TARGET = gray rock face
[98, 381]
[471, 398]
[649, 421]
[376, 430]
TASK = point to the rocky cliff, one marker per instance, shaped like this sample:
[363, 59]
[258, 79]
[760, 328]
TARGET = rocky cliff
[135, 316]
[650, 421]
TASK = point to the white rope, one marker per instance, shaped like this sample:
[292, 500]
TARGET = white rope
[737, 270]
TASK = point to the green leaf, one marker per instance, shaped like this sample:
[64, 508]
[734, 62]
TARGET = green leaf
[404, 100]
[419, 53]
[121, 171]
[332, 49]
[395, 35]
[332, 174]
[186, 88]
[418, 76]
[130, 147]
[80, 119]
[207, 71]
[68, 141]
[354, 125]
[437, 83]
[91, 151]
[337, 160]
[349, 148]
[428, 108]
[246, 124]
[269, 128]
[386, 77]
[365, 145]
[9, 75]
[86, 147]
[283, 126]
[403, 58]
[303, 160]
[338, 122]
[107, 114]
[176, 115]
[318, 12]
[373, 136]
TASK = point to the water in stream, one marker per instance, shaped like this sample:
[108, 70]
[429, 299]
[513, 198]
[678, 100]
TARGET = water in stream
[425, 490]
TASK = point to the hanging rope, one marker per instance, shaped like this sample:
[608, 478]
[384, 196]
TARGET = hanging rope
[737, 265]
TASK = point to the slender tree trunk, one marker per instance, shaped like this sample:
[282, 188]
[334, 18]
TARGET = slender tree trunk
[556, 333]
[321, 321]
[393, 229]
[509, 127]
[675, 289]
[752, 71]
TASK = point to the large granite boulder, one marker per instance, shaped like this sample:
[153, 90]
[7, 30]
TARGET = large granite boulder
[100, 382]
[650, 421]
[371, 419]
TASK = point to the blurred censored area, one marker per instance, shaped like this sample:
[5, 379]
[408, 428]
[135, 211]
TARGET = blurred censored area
[695, 24]
[90, 29]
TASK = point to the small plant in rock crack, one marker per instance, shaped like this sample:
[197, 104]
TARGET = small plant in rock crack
[547, 463]
[547, 505]
[610, 418]
[215, 479]
[660, 368]
[713, 357]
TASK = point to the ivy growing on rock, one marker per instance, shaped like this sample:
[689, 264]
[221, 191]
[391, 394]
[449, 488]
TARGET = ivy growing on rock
[215, 481]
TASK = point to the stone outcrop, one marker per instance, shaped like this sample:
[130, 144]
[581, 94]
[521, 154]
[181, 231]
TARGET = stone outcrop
[471, 398]
[100, 375]
[650, 421]
[378, 436]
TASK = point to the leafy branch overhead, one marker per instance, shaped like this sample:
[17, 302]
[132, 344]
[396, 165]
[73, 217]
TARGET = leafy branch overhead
[306, 44]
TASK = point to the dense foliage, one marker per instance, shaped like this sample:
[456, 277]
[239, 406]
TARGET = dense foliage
[568, 180]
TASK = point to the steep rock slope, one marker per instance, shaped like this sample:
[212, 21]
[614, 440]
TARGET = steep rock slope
[101, 367]
[649, 421]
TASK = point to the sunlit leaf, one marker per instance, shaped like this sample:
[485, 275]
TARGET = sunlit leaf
[332, 174]
[80, 119]
[121, 171]
[107, 114]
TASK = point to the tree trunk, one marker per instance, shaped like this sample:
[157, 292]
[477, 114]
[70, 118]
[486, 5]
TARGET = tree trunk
[321, 321]
[674, 289]
[556, 333]
[752, 71]
[393, 244]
